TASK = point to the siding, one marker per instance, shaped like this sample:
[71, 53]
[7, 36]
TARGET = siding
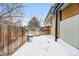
[69, 30]
[53, 26]
[69, 11]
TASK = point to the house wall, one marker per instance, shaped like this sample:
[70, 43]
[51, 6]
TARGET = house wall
[58, 29]
[53, 26]
[69, 11]
[69, 26]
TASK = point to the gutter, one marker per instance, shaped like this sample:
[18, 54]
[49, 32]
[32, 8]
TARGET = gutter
[57, 7]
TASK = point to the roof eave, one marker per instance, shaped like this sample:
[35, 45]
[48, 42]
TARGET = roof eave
[57, 7]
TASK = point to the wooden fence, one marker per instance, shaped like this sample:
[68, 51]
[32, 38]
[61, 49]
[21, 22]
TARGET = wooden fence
[11, 38]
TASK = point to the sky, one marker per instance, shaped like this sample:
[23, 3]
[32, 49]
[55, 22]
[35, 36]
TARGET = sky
[39, 10]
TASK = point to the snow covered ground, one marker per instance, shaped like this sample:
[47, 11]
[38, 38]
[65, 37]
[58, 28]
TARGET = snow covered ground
[46, 46]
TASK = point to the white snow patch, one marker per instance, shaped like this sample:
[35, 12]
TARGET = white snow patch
[46, 46]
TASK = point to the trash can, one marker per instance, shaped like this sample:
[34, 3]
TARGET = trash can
[29, 38]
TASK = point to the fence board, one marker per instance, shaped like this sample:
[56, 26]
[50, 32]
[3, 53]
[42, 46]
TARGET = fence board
[11, 38]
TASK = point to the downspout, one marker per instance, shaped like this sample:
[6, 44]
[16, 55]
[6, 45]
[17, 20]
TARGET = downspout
[56, 26]
[56, 23]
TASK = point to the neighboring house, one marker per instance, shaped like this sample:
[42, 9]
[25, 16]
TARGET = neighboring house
[36, 31]
[47, 24]
[45, 30]
[65, 22]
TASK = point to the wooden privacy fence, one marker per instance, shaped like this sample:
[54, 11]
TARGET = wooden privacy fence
[46, 30]
[11, 38]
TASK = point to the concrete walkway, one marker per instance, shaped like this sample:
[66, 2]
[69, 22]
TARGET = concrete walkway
[46, 46]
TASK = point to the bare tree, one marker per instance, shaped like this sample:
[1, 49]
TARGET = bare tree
[11, 10]
[33, 23]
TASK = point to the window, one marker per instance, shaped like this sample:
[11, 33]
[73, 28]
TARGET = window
[60, 13]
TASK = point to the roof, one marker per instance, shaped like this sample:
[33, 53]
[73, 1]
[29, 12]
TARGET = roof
[48, 17]
[52, 11]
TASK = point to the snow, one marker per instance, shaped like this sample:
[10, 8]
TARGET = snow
[46, 46]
